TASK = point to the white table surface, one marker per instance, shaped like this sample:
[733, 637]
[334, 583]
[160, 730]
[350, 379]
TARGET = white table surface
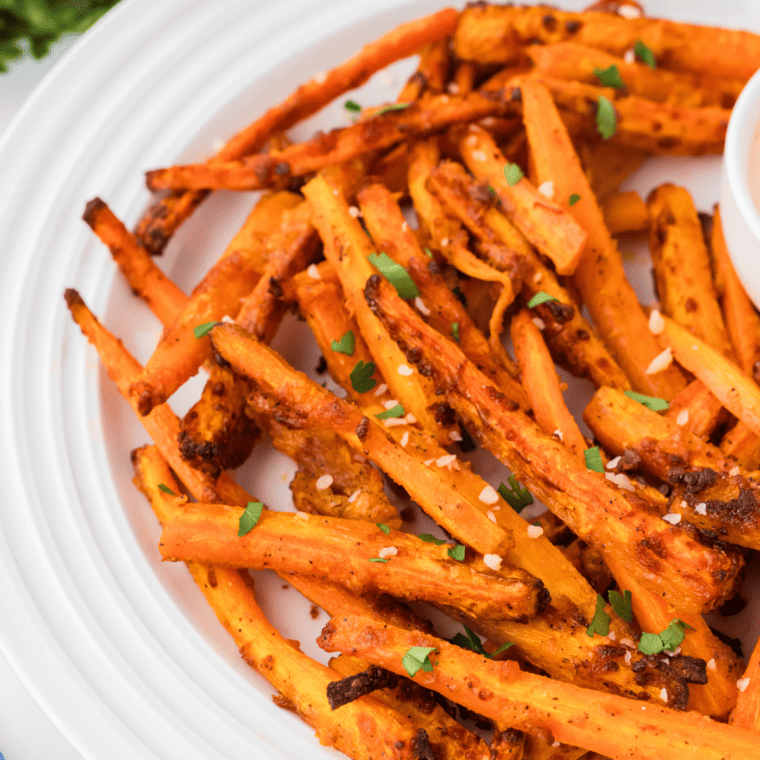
[25, 731]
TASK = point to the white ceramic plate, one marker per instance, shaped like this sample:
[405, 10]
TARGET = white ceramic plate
[119, 650]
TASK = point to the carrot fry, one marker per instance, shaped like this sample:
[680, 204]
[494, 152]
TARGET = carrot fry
[588, 503]
[337, 550]
[600, 278]
[547, 225]
[382, 131]
[607, 167]
[571, 61]
[500, 690]
[742, 444]
[696, 409]
[431, 74]
[537, 748]
[737, 392]
[542, 384]
[625, 212]
[165, 216]
[494, 34]
[682, 266]
[747, 711]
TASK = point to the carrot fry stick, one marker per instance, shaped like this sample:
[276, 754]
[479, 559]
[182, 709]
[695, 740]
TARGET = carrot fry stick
[542, 384]
[625, 212]
[537, 748]
[737, 392]
[586, 501]
[696, 409]
[337, 550]
[742, 444]
[547, 225]
[382, 131]
[166, 215]
[145, 279]
[747, 711]
[494, 34]
[500, 690]
[432, 72]
[682, 266]
[600, 278]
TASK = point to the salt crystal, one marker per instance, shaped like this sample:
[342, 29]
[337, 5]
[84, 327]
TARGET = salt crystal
[673, 519]
[546, 189]
[488, 495]
[454, 436]
[381, 389]
[628, 11]
[324, 482]
[404, 370]
[733, 472]
[629, 56]
[559, 435]
[410, 419]
[452, 88]
[478, 155]
[445, 242]
[354, 496]
[660, 362]
[313, 272]
[394, 422]
[534, 531]
[491, 516]
[354, 212]
[656, 322]
[387, 551]
[620, 480]
[302, 516]
[539, 323]
[701, 508]
[217, 144]
[446, 461]
[628, 658]
[613, 463]
[404, 227]
[538, 276]
[683, 417]
[404, 439]
[390, 404]
[742, 684]
[428, 462]
[420, 304]
[492, 560]
[712, 665]
[612, 635]
[664, 695]
[320, 77]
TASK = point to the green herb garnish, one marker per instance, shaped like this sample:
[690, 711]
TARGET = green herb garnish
[457, 291]
[361, 376]
[593, 459]
[670, 638]
[517, 496]
[395, 274]
[250, 517]
[383, 527]
[540, 298]
[621, 605]
[610, 77]
[201, 331]
[650, 402]
[345, 345]
[601, 621]
[428, 253]
[392, 107]
[378, 559]
[470, 640]
[456, 552]
[394, 411]
[644, 54]
[455, 331]
[431, 539]
[513, 174]
[606, 121]
[416, 659]
[574, 198]
[352, 105]
[166, 489]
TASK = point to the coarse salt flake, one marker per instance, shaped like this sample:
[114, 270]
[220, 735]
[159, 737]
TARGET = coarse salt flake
[390, 403]
[404, 439]
[546, 189]
[664, 695]
[656, 322]
[381, 389]
[620, 480]
[428, 462]
[492, 560]
[628, 11]
[228, 320]
[538, 276]
[733, 472]
[629, 56]
[354, 212]
[302, 516]
[313, 272]
[612, 635]
[354, 496]
[452, 88]
[534, 531]
[660, 362]
[701, 508]
[394, 422]
[488, 495]
[445, 242]
[672, 518]
[712, 665]
[628, 658]
[695, 347]
[478, 155]
[539, 323]
[404, 226]
[454, 436]
[446, 460]
[491, 516]
[420, 304]
[559, 435]
[613, 463]
[410, 419]
[325, 481]
[742, 684]
[405, 370]
[683, 417]
[320, 77]
[387, 551]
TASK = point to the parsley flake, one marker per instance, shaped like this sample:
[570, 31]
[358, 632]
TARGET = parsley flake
[606, 120]
[378, 559]
[345, 345]
[601, 621]
[470, 640]
[621, 605]
[361, 376]
[574, 198]
[353, 106]
[166, 489]
[201, 331]
[517, 496]
[670, 639]
[650, 402]
[456, 552]
[394, 411]
[610, 77]
[392, 107]
[457, 291]
[431, 539]
[250, 517]
[513, 174]
[593, 459]
[383, 527]
[416, 659]
[539, 298]
[395, 274]
[644, 54]
[455, 331]
[428, 253]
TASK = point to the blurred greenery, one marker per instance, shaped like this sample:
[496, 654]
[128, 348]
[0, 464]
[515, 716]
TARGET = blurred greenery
[34, 25]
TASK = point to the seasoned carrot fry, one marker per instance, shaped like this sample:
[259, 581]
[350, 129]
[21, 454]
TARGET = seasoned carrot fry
[547, 225]
[145, 279]
[742, 321]
[600, 278]
[742, 444]
[541, 383]
[571, 61]
[589, 504]
[537, 748]
[625, 212]
[338, 550]
[682, 266]
[747, 711]
[165, 216]
[606, 166]
[737, 392]
[696, 409]
[382, 131]
[494, 34]
[431, 74]
[502, 691]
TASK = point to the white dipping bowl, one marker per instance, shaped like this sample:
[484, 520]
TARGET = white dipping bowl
[741, 170]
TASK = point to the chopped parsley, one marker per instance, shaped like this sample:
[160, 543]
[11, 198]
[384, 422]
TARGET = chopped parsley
[456, 552]
[650, 402]
[395, 274]
[201, 331]
[606, 120]
[166, 489]
[428, 253]
[455, 331]
[621, 605]
[431, 539]
[345, 345]
[539, 298]
[593, 459]
[361, 376]
[517, 496]
[601, 621]
[383, 527]
[416, 659]
[470, 640]
[392, 107]
[610, 77]
[513, 174]
[670, 638]
[644, 54]
[457, 291]
[250, 517]
[378, 559]
[352, 106]
[394, 411]
[574, 198]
